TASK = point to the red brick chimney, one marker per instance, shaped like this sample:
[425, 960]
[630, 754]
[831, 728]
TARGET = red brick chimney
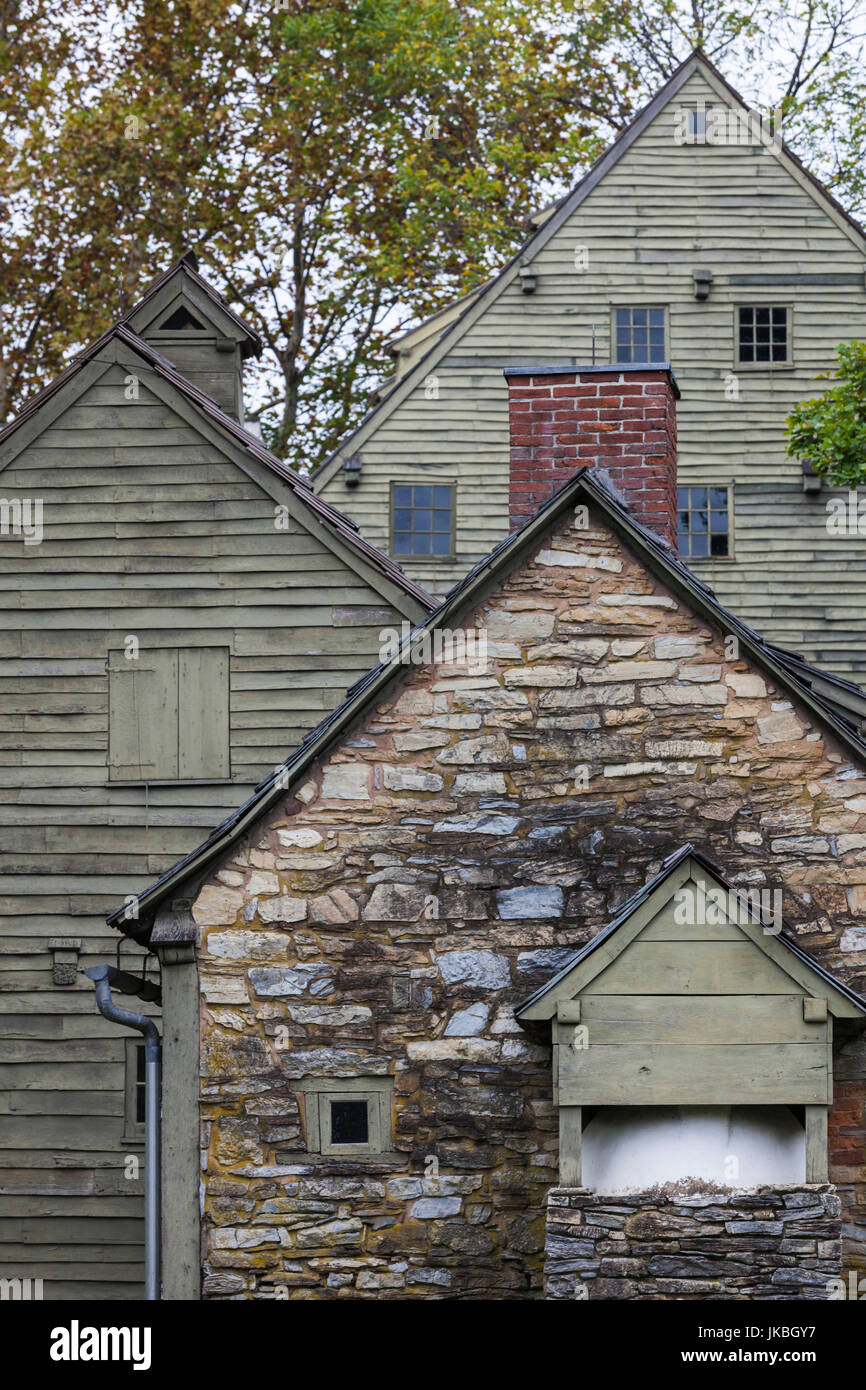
[619, 418]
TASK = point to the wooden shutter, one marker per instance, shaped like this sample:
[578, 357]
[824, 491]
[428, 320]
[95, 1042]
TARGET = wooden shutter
[169, 715]
[203, 712]
[142, 715]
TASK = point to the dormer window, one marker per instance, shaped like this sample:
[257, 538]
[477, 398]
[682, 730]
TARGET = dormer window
[186, 321]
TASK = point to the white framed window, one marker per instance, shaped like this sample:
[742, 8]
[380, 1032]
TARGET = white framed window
[763, 335]
[705, 522]
[422, 520]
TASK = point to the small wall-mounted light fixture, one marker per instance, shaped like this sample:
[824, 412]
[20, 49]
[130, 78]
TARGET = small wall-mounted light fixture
[528, 278]
[64, 958]
[703, 279]
[812, 481]
[352, 467]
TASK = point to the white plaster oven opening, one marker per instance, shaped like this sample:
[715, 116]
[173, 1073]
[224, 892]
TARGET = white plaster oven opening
[631, 1148]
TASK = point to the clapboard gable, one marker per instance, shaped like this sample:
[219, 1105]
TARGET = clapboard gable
[252, 606]
[691, 934]
[631, 234]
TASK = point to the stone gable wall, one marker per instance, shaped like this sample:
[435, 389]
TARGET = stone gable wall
[435, 869]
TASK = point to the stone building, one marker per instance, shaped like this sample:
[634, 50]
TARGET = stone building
[430, 987]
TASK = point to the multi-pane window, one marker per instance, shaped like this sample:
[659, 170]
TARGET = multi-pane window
[422, 519]
[703, 522]
[762, 333]
[639, 335]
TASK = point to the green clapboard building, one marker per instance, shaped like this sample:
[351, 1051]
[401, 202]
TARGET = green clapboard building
[179, 610]
[697, 239]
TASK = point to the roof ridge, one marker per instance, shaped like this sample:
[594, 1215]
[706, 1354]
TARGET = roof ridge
[188, 262]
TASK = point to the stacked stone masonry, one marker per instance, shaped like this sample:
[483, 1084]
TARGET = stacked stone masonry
[781, 1244]
[450, 853]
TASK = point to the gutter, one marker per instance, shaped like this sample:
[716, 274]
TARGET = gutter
[103, 977]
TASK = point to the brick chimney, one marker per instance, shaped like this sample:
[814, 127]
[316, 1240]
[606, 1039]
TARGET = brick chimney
[619, 418]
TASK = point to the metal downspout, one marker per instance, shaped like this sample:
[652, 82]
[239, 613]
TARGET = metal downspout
[102, 976]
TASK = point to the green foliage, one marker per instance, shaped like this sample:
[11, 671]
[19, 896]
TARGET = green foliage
[829, 433]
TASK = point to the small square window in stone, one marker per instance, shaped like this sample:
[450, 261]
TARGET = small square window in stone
[703, 522]
[640, 335]
[349, 1122]
[763, 334]
[422, 520]
[350, 1118]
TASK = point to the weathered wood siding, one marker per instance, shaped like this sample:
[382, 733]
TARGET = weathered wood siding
[661, 211]
[150, 530]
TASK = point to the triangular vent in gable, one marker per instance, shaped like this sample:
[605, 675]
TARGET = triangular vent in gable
[182, 319]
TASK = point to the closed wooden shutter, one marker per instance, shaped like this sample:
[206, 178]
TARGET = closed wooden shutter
[203, 712]
[169, 715]
[142, 715]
